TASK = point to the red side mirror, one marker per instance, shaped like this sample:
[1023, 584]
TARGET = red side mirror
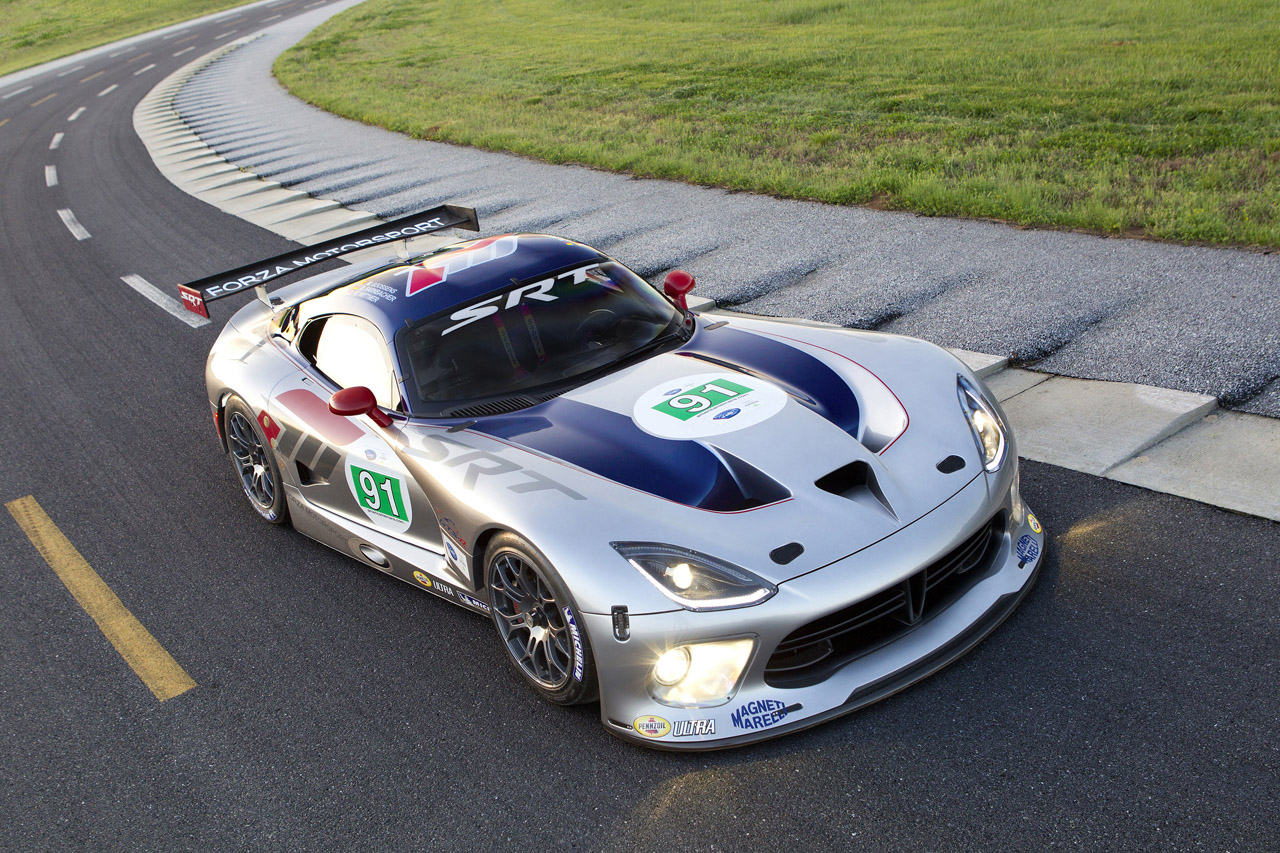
[677, 285]
[351, 402]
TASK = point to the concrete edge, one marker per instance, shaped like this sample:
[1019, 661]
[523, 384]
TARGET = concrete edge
[198, 170]
[1164, 447]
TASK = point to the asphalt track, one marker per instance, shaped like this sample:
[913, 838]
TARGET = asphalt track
[1130, 703]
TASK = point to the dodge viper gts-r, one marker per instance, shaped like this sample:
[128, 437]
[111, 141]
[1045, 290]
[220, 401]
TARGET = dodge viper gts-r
[723, 528]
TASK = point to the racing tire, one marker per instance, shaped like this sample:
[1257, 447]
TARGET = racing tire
[538, 622]
[254, 462]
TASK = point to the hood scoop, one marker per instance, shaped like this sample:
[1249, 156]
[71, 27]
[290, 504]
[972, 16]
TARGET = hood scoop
[857, 482]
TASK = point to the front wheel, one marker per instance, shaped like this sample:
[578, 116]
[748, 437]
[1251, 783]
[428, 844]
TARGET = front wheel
[538, 623]
[254, 463]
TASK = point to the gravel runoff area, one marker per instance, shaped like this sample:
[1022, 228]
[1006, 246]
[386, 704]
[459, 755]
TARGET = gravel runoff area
[1189, 318]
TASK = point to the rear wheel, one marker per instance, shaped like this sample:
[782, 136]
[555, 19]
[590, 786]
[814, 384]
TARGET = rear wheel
[538, 622]
[254, 463]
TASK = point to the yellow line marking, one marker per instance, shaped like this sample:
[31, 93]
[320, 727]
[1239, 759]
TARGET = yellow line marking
[91, 76]
[3, 122]
[45, 98]
[188, 38]
[157, 669]
[139, 56]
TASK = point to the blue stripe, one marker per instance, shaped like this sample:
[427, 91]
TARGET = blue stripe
[612, 446]
[812, 383]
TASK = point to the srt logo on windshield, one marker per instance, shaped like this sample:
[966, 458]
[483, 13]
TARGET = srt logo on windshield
[539, 291]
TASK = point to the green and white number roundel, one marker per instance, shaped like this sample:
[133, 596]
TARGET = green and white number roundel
[706, 405]
[381, 494]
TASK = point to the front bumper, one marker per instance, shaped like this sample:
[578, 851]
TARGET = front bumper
[760, 710]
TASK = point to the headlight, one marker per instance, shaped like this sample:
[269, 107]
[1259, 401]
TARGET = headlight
[988, 430]
[695, 581]
[700, 675]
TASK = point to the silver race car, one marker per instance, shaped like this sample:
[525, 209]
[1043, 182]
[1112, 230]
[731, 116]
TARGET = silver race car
[723, 528]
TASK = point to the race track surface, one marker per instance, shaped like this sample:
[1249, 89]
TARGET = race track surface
[1129, 704]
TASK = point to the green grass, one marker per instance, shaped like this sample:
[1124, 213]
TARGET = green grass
[1158, 118]
[35, 31]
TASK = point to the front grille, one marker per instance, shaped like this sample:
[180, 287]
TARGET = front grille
[814, 651]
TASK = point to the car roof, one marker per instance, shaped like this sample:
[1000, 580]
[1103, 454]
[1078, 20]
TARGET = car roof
[404, 292]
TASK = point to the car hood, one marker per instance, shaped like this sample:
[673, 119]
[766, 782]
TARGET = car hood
[739, 423]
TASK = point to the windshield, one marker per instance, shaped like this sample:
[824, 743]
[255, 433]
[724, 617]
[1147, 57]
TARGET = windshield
[534, 337]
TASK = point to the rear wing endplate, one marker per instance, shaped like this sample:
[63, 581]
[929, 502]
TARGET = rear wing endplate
[255, 275]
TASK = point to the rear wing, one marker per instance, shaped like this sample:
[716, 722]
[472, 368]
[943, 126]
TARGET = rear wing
[255, 275]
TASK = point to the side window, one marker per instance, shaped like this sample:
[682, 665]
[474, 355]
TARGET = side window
[351, 352]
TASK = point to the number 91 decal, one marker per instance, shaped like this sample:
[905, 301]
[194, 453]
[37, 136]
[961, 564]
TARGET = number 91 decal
[707, 404]
[381, 495]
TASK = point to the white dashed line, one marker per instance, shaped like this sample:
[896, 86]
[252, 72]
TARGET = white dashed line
[50, 176]
[171, 35]
[56, 141]
[109, 90]
[122, 52]
[71, 70]
[224, 35]
[15, 92]
[272, 18]
[75, 115]
[77, 230]
[313, 5]
[185, 50]
[144, 69]
[164, 300]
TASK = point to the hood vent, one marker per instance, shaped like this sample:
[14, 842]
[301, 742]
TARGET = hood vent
[857, 482]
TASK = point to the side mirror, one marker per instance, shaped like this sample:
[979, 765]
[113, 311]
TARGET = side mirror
[350, 402]
[676, 286]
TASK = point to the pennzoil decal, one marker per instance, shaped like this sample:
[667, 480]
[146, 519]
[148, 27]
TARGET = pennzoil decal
[651, 726]
[706, 405]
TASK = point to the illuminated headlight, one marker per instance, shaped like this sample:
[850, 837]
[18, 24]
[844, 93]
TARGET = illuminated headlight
[695, 581]
[988, 430]
[700, 675]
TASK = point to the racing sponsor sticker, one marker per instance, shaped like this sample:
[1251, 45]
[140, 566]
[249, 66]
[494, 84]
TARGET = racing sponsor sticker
[577, 643]
[759, 714]
[693, 728]
[269, 427]
[474, 602]
[432, 584]
[456, 556]
[1028, 549]
[381, 494]
[707, 404]
[651, 726]
[1033, 521]
[450, 529]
